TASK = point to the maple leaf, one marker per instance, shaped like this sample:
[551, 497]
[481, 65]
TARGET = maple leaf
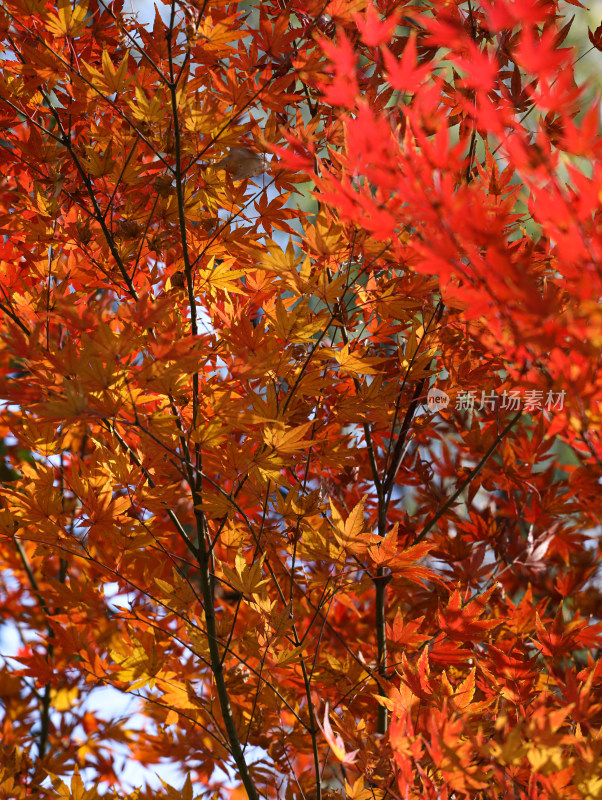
[354, 363]
[138, 667]
[75, 791]
[384, 553]
[463, 693]
[351, 534]
[374, 31]
[402, 633]
[596, 37]
[245, 578]
[461, 622]
[512, 750]
[177, 695]
[343, 88]
[404, 75]
[541, 56]
[344, 9]
[561, 638]
[242, 163]
[69, 20]
[508, 14]
[357, 791]
[417, 679]
[110, 80]
[287, 441]
[218, 34]
[335, 741]
[511, 667]
[221, 276]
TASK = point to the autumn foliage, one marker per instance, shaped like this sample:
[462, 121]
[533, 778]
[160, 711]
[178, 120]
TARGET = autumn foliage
[239, 246]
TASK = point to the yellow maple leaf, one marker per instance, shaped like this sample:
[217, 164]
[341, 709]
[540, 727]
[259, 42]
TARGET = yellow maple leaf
[75, 791]
[295, 324]
[221, 276]
[269, 466]
[351, 534]
[287, 441]
[358, 791]
[325, 237]
[218, 34]
[64, 699]
[110, 80]
[287, 656]
[139, 663]
[100, 164]
[68, 21]
[215, 505]
[179, 695]
[143, 110]
[114, 78]
[512, 751]
[278, 260]
[42, 437]
[245, 578]
[548, 759]
[179, 591]
[354, 363]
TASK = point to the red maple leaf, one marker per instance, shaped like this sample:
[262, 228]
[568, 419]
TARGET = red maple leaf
[462, 623]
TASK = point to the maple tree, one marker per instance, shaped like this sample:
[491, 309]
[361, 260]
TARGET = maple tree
[239, 246]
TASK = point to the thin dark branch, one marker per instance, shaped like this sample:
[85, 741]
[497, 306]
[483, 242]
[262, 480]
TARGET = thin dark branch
[470, 477]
